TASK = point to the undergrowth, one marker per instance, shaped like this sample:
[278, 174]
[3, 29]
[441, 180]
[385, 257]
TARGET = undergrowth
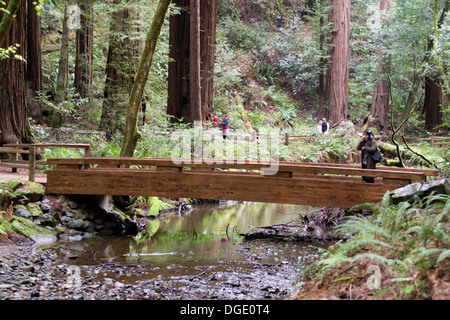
[408, 245]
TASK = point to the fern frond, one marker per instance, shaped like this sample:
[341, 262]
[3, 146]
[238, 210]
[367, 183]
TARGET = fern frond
[444, 255]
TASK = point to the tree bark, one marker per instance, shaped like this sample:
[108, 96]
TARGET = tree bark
[208, 13]
[179, 92]
[61, 83]
[84, 51]
[339, 69]
[178, 103]
[14, 126]
[433, 91]
[131, 134]
[34, 61]
[194, 62]
[321, 112]
[379, 109]
[433, 104]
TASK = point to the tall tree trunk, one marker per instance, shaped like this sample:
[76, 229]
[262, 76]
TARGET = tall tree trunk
[321, 112]
[433, 104]
[179, 93]
[61, 83]
[208, 13]
[339, 69]
[121, 67]
[178, 103]
[379, 109]
[433, 91]
[34, 61]
[131, 134]
[84, 51]
[14, 126]
[194, 62]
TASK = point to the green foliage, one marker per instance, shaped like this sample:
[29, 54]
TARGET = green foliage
[409, 239]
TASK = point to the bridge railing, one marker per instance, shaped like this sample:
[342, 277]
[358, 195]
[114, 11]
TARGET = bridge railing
[295, 183]
[283, 169]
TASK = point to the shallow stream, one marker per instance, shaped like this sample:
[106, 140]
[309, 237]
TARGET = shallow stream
[200, 255]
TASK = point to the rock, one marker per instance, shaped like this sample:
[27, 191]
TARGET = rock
[420, 189]
[45, 207]
[22, 211]
[59, 230]
[48, 220]
[34, 209]
[28, 228]
[75, 238]
[31, 191]
[76, 224]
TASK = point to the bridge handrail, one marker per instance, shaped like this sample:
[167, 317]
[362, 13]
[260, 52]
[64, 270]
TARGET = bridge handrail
[283, 167]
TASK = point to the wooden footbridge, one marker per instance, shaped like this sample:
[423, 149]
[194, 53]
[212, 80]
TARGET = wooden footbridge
[294, 183]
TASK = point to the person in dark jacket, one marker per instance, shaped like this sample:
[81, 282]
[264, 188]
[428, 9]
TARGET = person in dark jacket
[368, 146]
[225, 126]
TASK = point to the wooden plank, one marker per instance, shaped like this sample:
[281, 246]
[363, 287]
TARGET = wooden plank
[19, 151]
[287, 167]
[32, 165]
[49, 145]
[19, 165]
[215, 186]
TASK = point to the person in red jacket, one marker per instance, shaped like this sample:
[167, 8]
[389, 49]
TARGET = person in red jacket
[215, 122]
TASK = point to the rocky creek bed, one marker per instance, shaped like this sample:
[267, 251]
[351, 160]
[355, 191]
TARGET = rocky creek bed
[27, 273]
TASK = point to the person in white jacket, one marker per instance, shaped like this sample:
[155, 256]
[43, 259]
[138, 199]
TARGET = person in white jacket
[319, 128]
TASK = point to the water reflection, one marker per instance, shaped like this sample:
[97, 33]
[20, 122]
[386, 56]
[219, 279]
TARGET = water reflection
[207, 236]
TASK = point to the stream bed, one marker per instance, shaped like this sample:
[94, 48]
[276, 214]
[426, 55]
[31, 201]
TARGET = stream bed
[200, 255]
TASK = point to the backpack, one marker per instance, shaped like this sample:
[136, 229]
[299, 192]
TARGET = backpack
[376, 156]
[324, 127]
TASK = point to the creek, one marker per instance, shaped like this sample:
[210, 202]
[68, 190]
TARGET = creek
[200, 255]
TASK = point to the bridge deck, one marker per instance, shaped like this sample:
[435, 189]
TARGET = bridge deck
[294, 183]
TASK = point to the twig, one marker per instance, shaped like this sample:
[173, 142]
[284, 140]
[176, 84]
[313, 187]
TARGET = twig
[416, 153]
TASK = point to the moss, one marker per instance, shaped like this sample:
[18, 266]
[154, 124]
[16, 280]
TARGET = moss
[28, 228]
[59, 230]
[34, 209]
[31, 190]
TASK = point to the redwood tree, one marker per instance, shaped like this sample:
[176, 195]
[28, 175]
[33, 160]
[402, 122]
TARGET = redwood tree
[179, 87]
[14, 127]
[380, 98]
[34, 61]
[433, 91]
[84, 50]
[338, 72]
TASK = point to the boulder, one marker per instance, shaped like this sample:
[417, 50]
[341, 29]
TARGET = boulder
[28, 228]
[34, 209]
[420, 189]
[22, 211]
[30, 191]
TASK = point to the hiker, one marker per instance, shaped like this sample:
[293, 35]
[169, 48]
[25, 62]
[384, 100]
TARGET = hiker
[368, 146]
[319, 128]
[215, 122]
[225, 126]
[325, 126]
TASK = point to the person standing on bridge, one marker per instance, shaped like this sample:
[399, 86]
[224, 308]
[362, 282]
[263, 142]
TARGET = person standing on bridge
[368, 146]
[225, 126]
